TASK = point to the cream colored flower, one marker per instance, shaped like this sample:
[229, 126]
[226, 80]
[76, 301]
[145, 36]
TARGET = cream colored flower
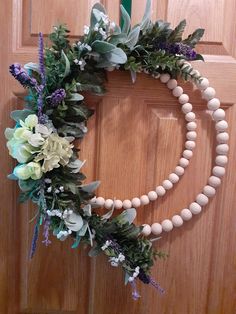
[55, 151]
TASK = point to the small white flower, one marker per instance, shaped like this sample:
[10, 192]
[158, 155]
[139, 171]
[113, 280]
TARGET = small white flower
[76, 61]
[131, 279]
[86, 29]
[61, 188]
[47, 180]
[114, 264]
[57, 191]
[49, 189]
[112, 25]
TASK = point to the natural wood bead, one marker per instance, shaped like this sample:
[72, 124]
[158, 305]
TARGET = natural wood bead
[160, 190]
[167, 184]
[191, 135]
[144, 200]
[177, 220]
[186, 214]
[177, 91]
[203, 84]
[221, 125]
[186, 108]
[108, 203]
[136, 202]
[167, 225]
[190, 116]
[164, 78]
[214, 181]
[221, 160]
[191, 126]
[100, 201]
[218, 115]
[208, 93]
[118, 204]
[146, 230]
[172, 84]
[156, 228]
[93, 200]
[187, 153]
[179, 170]
[173, 178]
[183, 99]
[152, 195]
[209, 191]
[195, 208]
[127, 204]
[222, 149]
[213, 104]
[222, 137]
[190, 145]
[218, 171]
[183, 162]
[202, 199]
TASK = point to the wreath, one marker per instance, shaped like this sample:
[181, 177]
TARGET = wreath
[55, 114]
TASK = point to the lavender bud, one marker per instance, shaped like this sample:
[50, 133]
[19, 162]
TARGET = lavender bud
[22, 76]
[57, 97]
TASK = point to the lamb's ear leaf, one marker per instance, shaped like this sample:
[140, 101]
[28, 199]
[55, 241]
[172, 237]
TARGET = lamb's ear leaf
[93, 17]
[126, 20]
[116, 56]
[90, 187]
[102, 46]
[18, 115]
[67, 64]
[147, 16]
[133, 37]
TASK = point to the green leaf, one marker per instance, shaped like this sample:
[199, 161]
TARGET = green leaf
[177, 33]
[67, 64]
[75, 97]
[194, 38]
[133, 37]
[98, 7]
[90, 187]
[28, 185]
[76, 243]
[199, 57]
[18, 115]
[102, 46]
[146, 20]
[118, 39]
[126, 20]
[127, 216]
[12, 177]
[32, 66]
[117, 56]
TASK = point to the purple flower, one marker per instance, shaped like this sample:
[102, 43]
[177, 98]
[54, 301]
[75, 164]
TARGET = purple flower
[22, 76]
[177, 48]
[34, 240]
[135, 293]
[57, 96]
[46, 240]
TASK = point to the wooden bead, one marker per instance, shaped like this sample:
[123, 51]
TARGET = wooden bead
[118, 204]
[209, 191]
[221, 125]
[177, 91]
[183, 162]
[221, 160]
[222, 137]
[195, 208]
[218, 115]
[187, 153]
[173, 178]
[146, 230]
[164, 78]
[93, 200]
[160, 190]
[172, 84]
[167, 225]
[127, 204]
[152, 195]
[136, 202]
[213, 104]
[167, 184]
[177, 220]
[202, 199]
[186, 214]
[186, 108]
[222, 149]
[100, 201]
[144, 200]
[183, 99]
[214, 181]
[156, 228]
[191, 126]
[108, 203]
[203, 84]
[208, 93]
[179, 170]
[218, 171]
[191, 135]
[190, 116]
[190, 145]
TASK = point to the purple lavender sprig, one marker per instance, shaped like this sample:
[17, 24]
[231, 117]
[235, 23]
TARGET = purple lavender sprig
[22, 76]
[57, 97]
[46, 240]
[34, 240]
[178, 49]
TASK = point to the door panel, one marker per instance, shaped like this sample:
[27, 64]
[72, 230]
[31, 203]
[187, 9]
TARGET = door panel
[135, 140]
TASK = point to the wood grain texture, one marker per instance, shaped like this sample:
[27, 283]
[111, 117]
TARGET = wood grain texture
[199, 274]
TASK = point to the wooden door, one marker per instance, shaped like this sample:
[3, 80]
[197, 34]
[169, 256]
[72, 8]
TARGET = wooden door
[199, 275]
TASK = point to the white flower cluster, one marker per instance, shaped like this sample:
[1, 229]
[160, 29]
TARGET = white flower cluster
[57, 191]
[63, 234]
[58, 213]
[106, 245]
[81, 63]
[115, 260]
[135, 274]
